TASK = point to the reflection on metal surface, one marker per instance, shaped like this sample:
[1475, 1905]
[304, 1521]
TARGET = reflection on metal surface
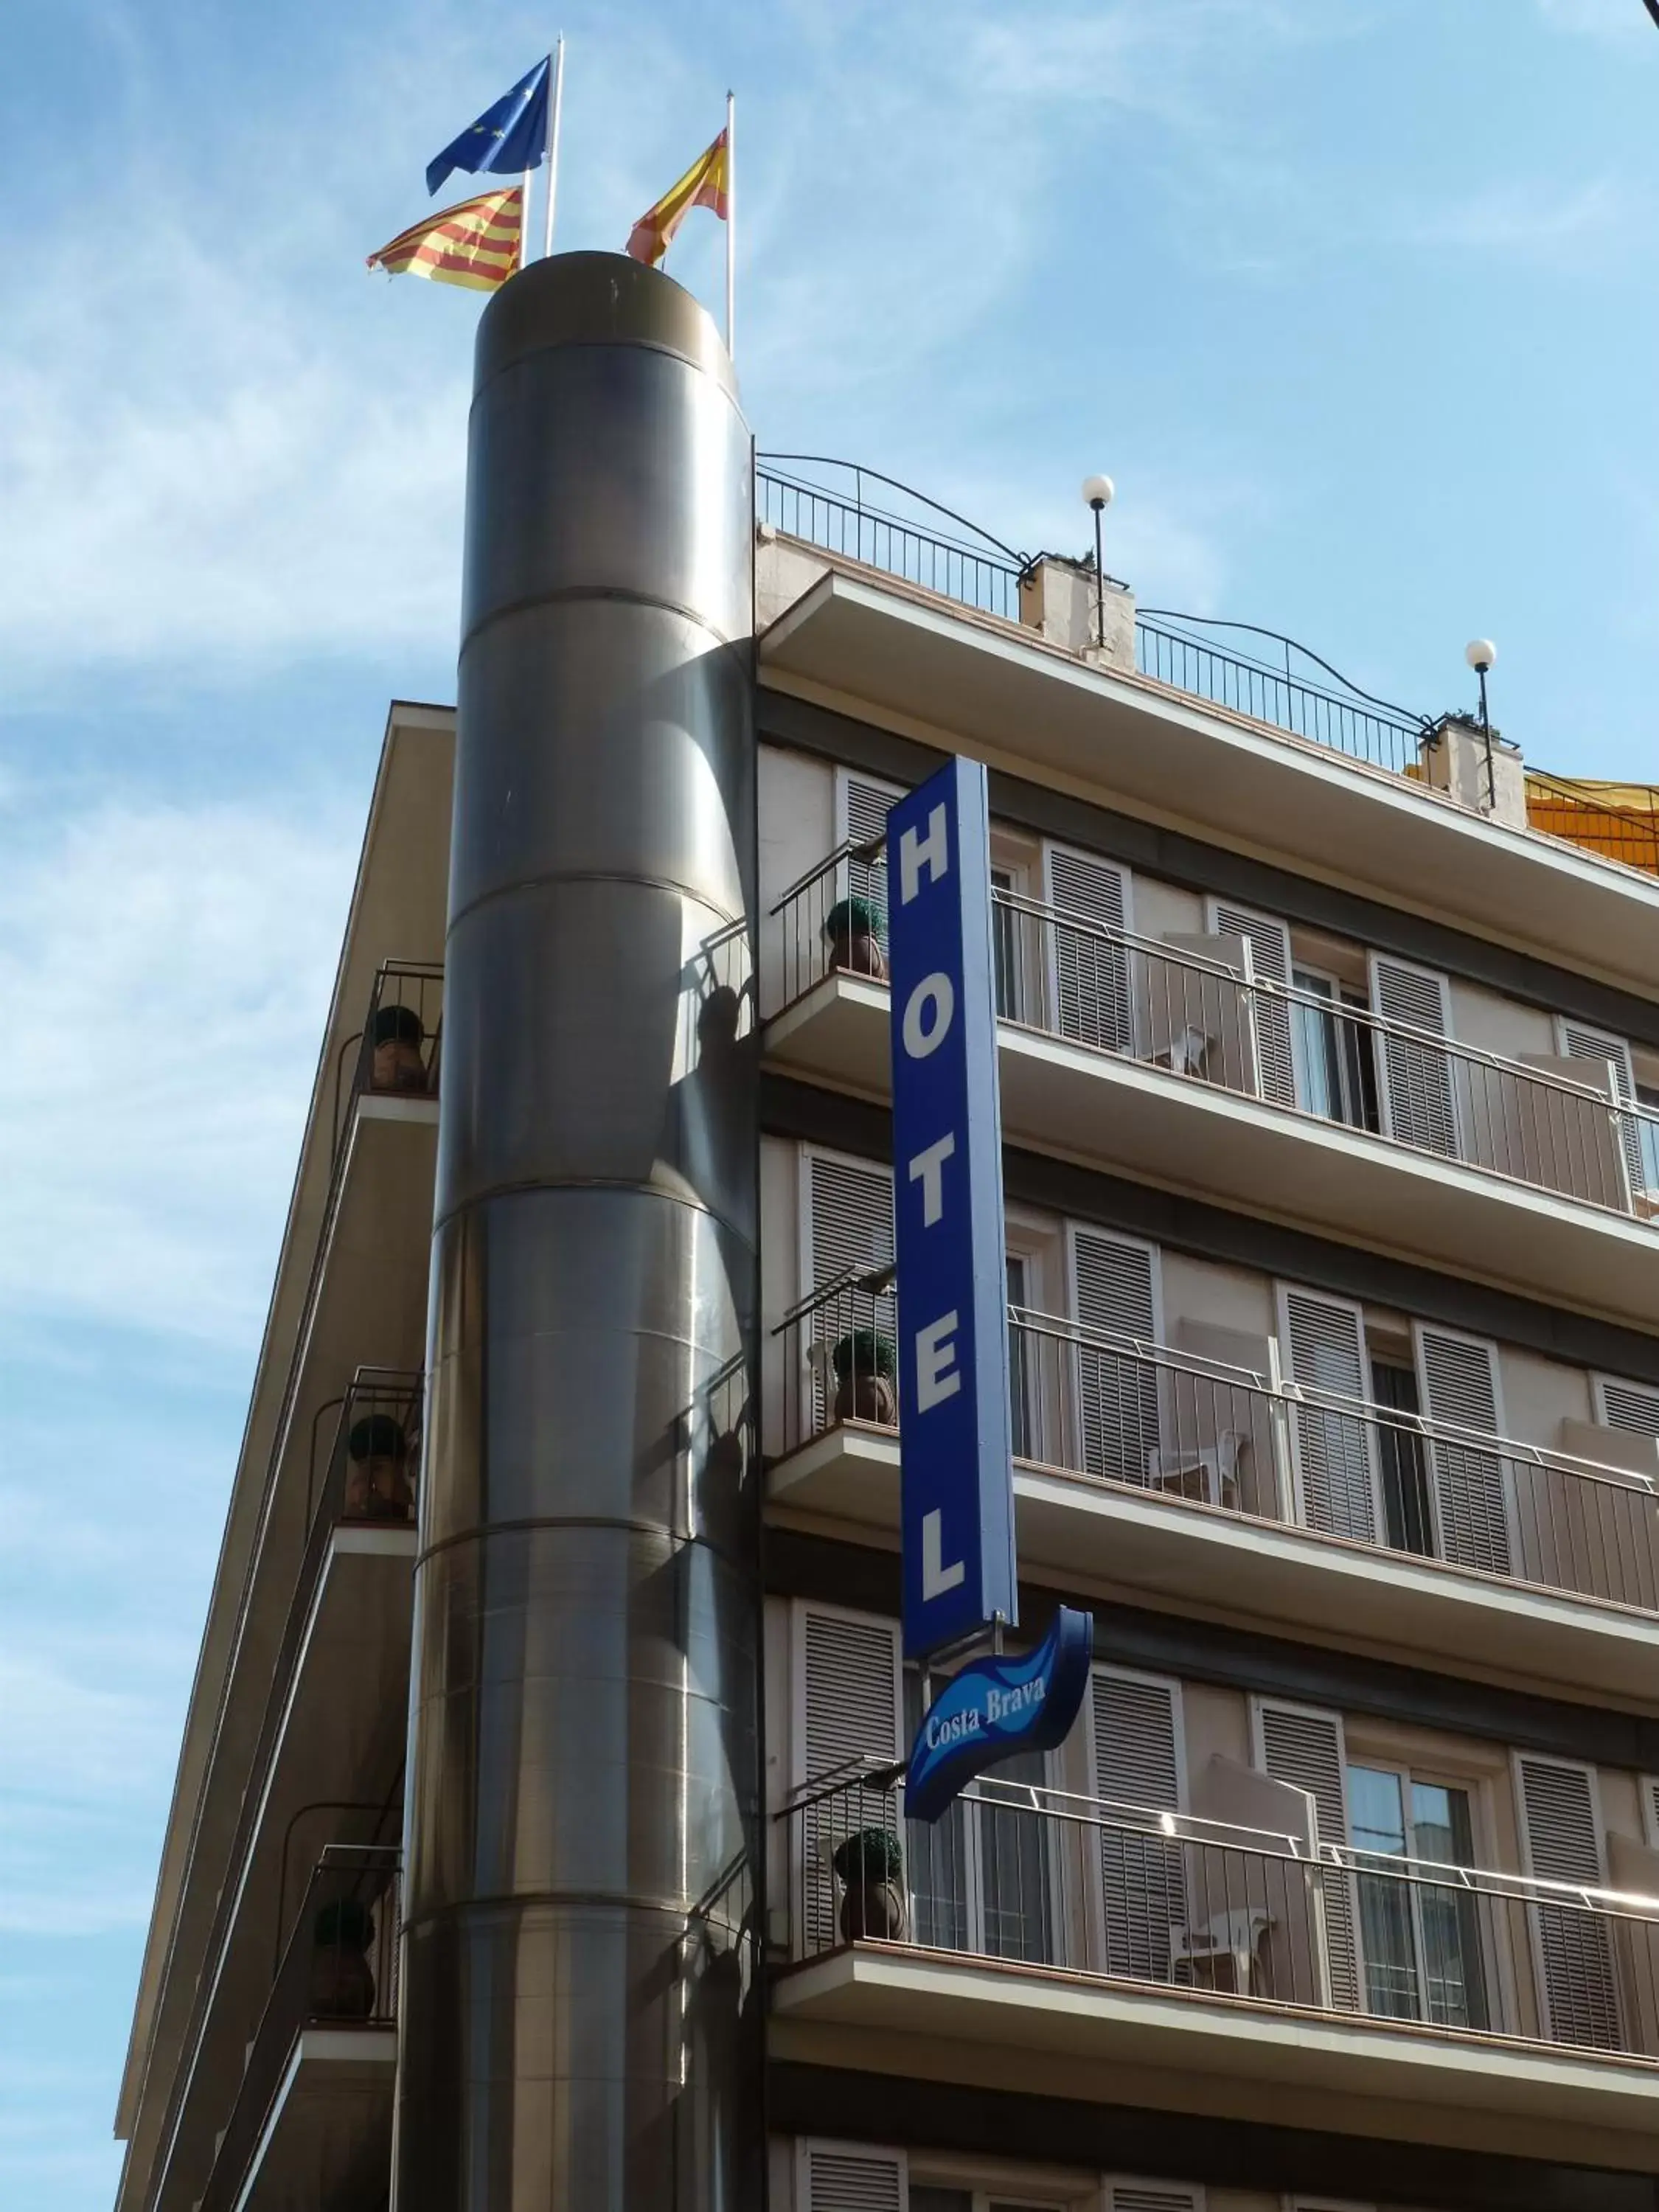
[579, 2013]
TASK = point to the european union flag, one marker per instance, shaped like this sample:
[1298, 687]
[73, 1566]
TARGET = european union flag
[510, 137]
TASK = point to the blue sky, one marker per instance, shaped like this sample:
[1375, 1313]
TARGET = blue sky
[1355, 302]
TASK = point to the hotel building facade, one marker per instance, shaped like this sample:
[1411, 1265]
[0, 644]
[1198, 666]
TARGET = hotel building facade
[552, 1662]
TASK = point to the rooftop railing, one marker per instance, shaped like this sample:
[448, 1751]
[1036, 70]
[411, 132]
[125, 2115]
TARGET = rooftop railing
[1198, 1434]
[859, 517]
[1294, 690]
[339, 1971]
[1216, 1018]
[862, 515]
[1126, 1895]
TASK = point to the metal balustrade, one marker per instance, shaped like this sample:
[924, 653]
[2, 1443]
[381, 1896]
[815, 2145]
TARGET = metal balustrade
[1192, 1432]
[398, 1051]
[1214, 1017]
[339, 1971]
[1129, 1895]
[855, 518]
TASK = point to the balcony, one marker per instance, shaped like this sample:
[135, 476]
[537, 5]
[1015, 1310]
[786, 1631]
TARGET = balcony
[1143, 1465]
[333, 1716]
[312, 2119]
[1077, 1930]
[1258, 675]
[1180, 1063]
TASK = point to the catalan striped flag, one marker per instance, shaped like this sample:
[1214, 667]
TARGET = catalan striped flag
[706, 182]
[477, 243]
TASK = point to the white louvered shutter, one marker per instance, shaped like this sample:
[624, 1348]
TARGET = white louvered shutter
[1333, 1453]
[1579, 1043]
[842, 2176]
[1270, 956]
[1091, 972]
[1562, 1841]
[1632, 1407]
[1115, 1290]
[1458, 1378]
[1420, 1106]
[1136, 1746]
[848, 1702]
[1124, 2193]
[865, 807]
[1304, 1746]
[849, 1231]
[1650, 1810]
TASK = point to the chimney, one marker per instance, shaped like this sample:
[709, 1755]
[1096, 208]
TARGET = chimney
[1057, 597]
[580, 2010]
[1489, 779]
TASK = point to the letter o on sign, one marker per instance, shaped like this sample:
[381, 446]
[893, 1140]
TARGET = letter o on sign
[927, 1015]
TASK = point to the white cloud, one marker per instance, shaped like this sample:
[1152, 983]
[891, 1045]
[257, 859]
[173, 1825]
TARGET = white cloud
[165, 973]
[220, 459]
[1534, 221]
[1615, 20]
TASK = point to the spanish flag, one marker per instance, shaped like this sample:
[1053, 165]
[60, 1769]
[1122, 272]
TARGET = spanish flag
[706, 182]
[477, 243]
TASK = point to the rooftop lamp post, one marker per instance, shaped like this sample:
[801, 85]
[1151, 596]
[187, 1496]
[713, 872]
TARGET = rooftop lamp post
[1480, 653]
[1098, 494]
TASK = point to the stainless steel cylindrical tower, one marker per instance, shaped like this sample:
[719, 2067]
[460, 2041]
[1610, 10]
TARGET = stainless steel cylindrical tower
[579, 2005]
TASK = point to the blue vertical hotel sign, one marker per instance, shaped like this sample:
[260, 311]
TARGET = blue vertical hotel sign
[956, 1467]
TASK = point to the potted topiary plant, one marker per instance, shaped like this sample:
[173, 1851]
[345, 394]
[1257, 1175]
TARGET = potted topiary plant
[342, 1979]
[378, 1487]
[852, 930]
[398, 1034]
[865, 1362]
[870, 1867]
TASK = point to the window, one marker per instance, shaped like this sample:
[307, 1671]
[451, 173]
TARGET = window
[1420, 1942]
[980, 1874]
[1407, 1522]
[1008, 930]
[1021, 1360]
[1335, 1073]
[1647, 1135]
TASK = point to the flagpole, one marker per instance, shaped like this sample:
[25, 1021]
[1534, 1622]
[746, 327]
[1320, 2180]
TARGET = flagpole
[731, 216]
[553, 112]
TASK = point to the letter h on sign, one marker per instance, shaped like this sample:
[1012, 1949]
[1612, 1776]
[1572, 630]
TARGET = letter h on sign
[956, 1479]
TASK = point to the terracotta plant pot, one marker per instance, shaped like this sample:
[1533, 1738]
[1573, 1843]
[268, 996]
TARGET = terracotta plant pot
[866, 1398]
[852, 931]
[377, 1487]
[874, 1910]
[342, 1980]
[870, 1865]
[397, 1037]
[864, 1360]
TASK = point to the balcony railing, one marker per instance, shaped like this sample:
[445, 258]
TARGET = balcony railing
[1143, 1419]
[1123, 1895]
[857, 518]
[864, 516]
[339, 1971]
[395, 1053]
[1218, 1019]
[1295, 690]
[368, 1477]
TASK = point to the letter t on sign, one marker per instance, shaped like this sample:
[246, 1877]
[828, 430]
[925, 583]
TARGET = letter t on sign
[925, 1169]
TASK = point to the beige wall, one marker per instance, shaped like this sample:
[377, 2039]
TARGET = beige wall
[1481, 1016]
